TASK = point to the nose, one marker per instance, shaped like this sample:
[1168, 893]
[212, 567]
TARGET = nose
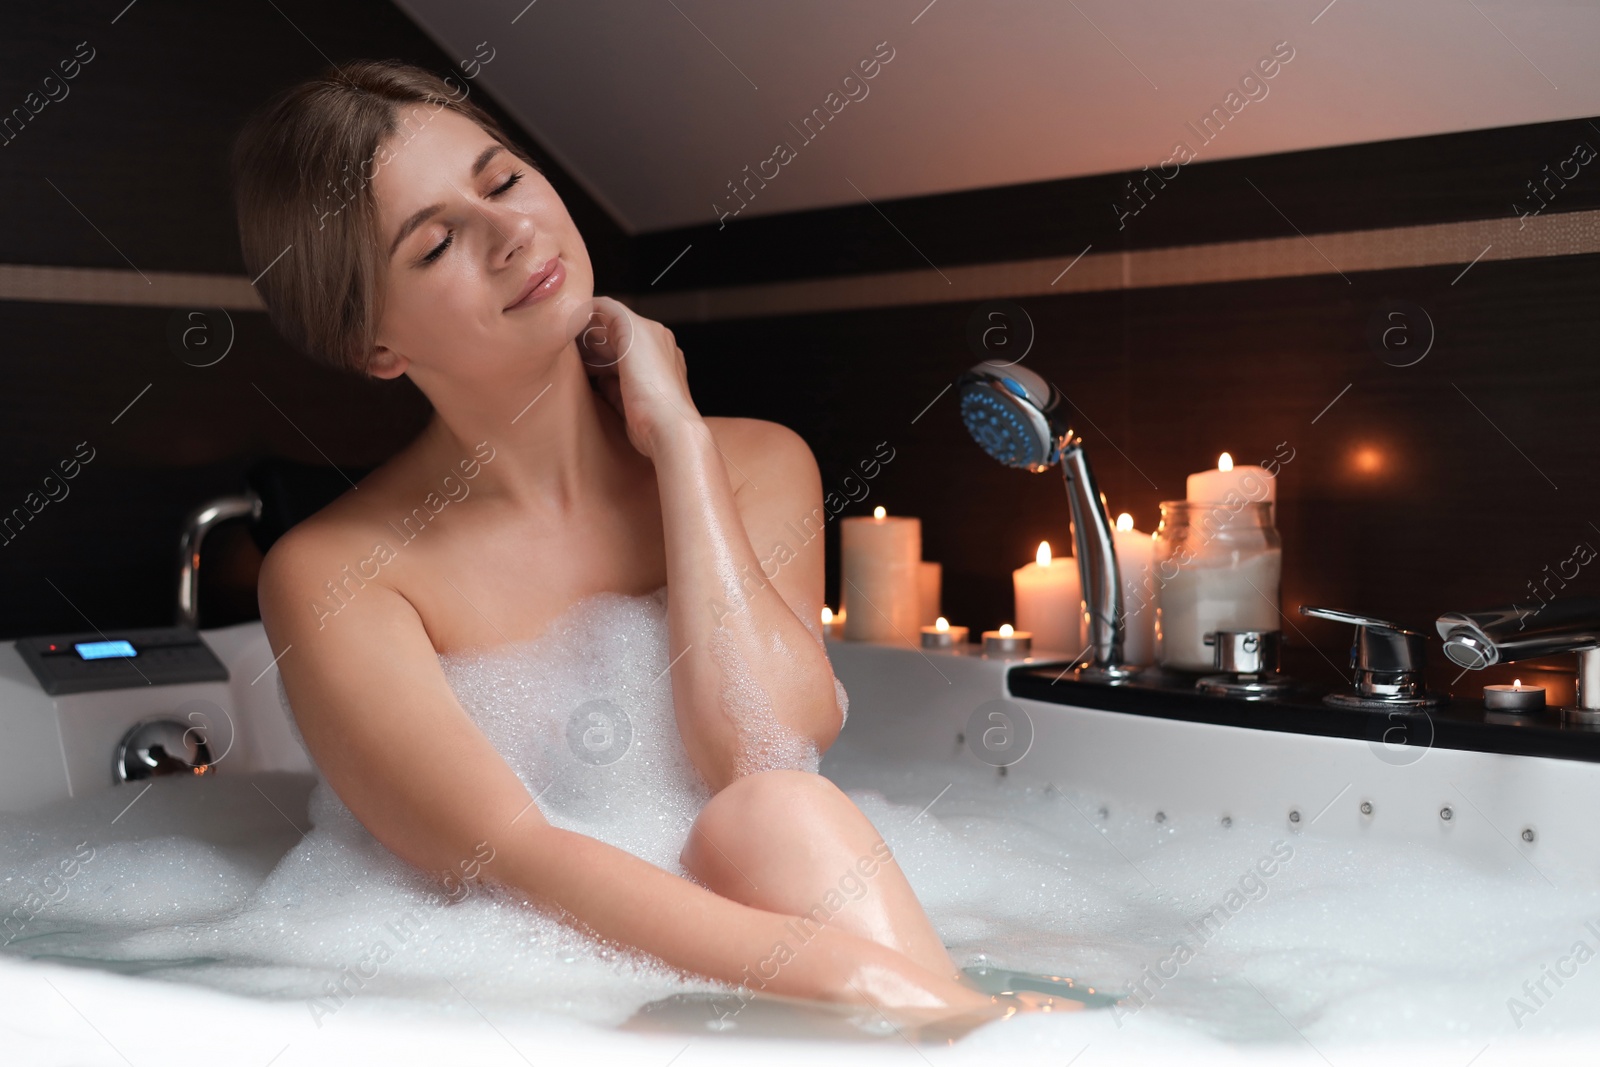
[514, 235]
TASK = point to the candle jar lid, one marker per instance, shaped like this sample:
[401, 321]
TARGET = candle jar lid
[1245, 651]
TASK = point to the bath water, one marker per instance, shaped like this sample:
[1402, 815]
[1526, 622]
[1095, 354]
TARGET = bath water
[1241, 933]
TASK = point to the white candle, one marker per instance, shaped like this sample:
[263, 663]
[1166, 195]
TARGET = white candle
[879, 560]
[1050, 602]
[1243, 484]
[1217, 592]
[831, 624]
[928, 575]
[942, 635]
[1513, 697]
[1007, 641]
[1138, 600]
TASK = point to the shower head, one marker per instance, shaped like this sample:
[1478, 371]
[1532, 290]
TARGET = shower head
[1014, 415]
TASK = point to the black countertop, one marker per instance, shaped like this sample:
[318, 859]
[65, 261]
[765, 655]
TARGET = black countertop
[1397, 736]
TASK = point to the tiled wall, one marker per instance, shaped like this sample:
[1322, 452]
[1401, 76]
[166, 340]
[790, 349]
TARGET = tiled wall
[1242, 308]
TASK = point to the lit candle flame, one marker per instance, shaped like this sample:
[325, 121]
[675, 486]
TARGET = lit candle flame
[1124, 521]
[878, 512]
[1006, 630]
[1516, 683]
[1042, 557]
[1224, 462]
[827, 615]
[941, 624]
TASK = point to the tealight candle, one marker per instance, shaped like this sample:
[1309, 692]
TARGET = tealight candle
[1514, 697]
[1049, 601]
[1241, 484]
[942, 635]
[928, 575]
[832, 625]
[1007, 641]
[1138, 605]
[879, 560]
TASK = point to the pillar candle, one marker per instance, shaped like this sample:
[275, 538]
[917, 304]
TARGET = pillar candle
[1252, 484]
[879, 565]
[1050, 602]
[928, 575]
[1138, 602]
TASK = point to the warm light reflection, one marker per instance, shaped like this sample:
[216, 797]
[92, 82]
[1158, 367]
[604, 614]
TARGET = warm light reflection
[1124, 521]
[941, 624]
[1042, 557]
[1006, 630]
[827, 615]
[1224, 462]
[879, 512]
[1367, 460]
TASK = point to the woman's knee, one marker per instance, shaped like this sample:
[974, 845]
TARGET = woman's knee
[755, 810]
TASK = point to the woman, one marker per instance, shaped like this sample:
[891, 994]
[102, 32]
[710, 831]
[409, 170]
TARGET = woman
[446, 256]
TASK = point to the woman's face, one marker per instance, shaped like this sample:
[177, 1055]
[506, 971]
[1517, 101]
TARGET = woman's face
[463, 224]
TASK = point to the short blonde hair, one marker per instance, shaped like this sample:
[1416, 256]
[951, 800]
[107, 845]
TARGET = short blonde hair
[302, 168]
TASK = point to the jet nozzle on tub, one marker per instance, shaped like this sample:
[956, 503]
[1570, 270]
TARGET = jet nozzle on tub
[1017, 418]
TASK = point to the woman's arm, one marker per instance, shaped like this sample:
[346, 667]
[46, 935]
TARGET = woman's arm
[751, 682]
[388, 734]
[754, 685]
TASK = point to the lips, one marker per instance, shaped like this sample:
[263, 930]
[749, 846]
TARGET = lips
[544, 281]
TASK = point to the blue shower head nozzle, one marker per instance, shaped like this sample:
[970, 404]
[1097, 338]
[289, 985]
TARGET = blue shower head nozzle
[1013, 414]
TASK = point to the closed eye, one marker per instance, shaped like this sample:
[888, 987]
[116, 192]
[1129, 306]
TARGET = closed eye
[450, 237]
[508, 183]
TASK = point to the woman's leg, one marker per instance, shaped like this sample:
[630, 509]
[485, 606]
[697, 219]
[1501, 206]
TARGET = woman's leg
[791, 842]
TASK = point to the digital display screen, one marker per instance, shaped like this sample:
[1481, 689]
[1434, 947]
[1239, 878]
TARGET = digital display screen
[105, 650]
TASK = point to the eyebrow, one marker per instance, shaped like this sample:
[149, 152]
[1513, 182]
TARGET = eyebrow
[418, 218]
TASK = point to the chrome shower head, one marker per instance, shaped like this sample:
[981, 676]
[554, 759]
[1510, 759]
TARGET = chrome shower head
[1014, 415]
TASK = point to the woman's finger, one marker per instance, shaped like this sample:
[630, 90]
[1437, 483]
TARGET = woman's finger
[609, 333]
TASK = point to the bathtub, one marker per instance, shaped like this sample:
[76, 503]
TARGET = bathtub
[1132, 789]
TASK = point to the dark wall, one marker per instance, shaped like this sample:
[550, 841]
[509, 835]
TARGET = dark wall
[1402, 501]
[1450, 484]
[1455, 483]
[129, 170]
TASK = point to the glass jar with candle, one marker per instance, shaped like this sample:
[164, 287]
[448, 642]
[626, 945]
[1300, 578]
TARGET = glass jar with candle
[1215, 566]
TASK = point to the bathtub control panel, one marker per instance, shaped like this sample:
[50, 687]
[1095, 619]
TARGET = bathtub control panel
[126, 659]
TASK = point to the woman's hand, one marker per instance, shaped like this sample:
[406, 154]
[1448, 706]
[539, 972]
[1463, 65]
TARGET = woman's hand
[638, 367]
[953, 1025]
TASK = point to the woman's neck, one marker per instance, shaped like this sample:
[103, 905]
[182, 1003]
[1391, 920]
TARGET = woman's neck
[554, 447]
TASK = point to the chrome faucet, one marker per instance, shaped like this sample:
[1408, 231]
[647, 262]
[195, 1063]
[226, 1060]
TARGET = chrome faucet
[1017, 417]
[1389, 662]
[1480, 639]
[196, 525]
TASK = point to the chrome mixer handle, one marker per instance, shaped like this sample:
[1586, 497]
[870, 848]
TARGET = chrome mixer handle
[1388, 660]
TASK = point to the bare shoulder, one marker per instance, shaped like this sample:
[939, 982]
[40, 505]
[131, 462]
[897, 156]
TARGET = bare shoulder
[756, 447]
[324, 547]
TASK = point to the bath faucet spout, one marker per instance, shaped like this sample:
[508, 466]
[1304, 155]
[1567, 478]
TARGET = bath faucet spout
[1480, 639]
